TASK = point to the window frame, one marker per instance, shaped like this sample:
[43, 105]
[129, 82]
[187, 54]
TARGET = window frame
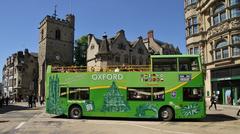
[151, 94]
[200, 99]
[60, 92]
[192, 25]
[160, 70]
[234, 2]
[81, 88]
[128, 94]
[218, 12]
[190, 67]
[164, 95]
[220, 48]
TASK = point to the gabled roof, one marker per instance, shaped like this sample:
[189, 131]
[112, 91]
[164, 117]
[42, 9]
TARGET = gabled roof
[104, 46]
[134, 43]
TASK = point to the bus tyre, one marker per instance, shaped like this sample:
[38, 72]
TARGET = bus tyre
[166, 114]
[75, 112]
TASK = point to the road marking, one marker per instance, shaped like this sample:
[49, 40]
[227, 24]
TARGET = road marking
[20, 125]
[154, 129]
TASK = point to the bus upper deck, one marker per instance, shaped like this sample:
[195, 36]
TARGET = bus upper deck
[159, 63]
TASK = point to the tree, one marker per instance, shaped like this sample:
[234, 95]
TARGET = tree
[80, 51]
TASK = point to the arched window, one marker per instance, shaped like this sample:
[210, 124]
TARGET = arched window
[221, 44]
[219, 13]
[57, 34]
[221, 50]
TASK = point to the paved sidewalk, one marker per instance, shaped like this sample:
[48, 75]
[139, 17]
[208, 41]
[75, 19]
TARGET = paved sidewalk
[19, 106]
[224, 110]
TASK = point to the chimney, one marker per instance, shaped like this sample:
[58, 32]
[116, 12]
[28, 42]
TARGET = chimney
[90, 36]
[105, 36]
[26, 51]
[150, 34]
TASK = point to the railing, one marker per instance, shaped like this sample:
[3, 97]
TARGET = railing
[116, 68]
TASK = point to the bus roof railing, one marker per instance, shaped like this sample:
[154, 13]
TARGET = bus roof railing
[114, 68]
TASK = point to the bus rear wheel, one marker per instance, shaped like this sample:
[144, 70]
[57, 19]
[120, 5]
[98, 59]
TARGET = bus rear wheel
[166, 114]
[75, 112]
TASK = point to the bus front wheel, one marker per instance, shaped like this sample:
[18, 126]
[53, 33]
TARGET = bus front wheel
[75, 112]
[166, 114]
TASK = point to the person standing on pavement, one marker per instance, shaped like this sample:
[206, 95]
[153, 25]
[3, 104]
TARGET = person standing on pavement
[7, 101]
[238, 102]
[30, 101]
[213, 101]
[41, 100]
[1, 101]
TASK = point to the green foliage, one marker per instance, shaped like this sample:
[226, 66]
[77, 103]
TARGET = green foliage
[80, 51]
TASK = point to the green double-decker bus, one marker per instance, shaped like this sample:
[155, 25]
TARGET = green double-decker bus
[170, 88]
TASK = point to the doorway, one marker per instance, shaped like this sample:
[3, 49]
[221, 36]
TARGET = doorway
[230, 95]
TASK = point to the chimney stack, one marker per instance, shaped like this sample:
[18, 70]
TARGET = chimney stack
[150, 34]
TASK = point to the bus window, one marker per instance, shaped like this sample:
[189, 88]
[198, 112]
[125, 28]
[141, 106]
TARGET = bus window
[188, 64]
[192, 94]
[78, 93]
[139, 93]
[164, 64]
[63, 92]
[158, 93]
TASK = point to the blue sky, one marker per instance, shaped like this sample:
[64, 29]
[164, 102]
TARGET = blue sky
[19, 20]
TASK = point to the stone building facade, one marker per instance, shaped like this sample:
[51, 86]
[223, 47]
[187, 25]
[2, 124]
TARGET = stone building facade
[20, 75]
[213, 31]
[118, 51]
[55, 46]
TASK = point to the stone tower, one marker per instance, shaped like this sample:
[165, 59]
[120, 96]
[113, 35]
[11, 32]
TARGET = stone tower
[55, 46]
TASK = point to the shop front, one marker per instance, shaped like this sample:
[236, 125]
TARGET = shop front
[226, 84]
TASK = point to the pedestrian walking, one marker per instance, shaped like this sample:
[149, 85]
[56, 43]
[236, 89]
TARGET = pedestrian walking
[238, 102]
[41, 100]
[213, 101]
[34, 99]
[30, 101]
[7, 100]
